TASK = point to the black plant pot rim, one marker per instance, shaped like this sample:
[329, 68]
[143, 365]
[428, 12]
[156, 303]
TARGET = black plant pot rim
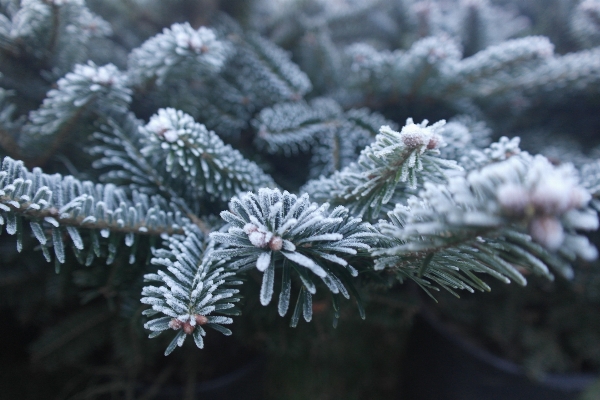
[563, 381]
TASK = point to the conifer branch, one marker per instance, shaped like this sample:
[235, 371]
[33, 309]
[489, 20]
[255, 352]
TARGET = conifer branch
[179, 52]
[196, 286]
[89, 89]
[585, 23]
[507, 56]
[8, 126]
[208, 85]
[505, 219]
[57, 207]
[334, 137]
[396, 160]
[433, 68]
[54, 34]
[272, 230]
[121, 150]
[452, 209]
[198, 157]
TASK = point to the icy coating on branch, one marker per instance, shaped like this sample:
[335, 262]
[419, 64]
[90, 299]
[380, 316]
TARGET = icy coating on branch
[519, 208]
[272, 229]
[180, 51]
[395, 161]
[105, 75]
[88, 89]
[198, 157]
[195, 287]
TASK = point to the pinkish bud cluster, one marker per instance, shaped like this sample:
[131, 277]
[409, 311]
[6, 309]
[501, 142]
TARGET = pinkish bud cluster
[262, 238]
[189, 325]
[414, 136]
[162, 125]
[548, 195]
[434, 142]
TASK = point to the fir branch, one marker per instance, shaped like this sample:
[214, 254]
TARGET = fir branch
[253, 75]
[292, 127]
[270, 230]
[122, 152]
[179, 52]
[387, 75]
[470, 73]
[195, 287]
[433, 69]
[271, 76]
[394, 159]
[9, 127]
[89, 89]
[198, 157]
[55, 33]
[475, 159]
[287, 81]
[58, 207]
[464, 136]
[591, 181]
[573, 73]
[585, 23]
[481, 24]
[321, 60]
[512, 216]
[334, 137]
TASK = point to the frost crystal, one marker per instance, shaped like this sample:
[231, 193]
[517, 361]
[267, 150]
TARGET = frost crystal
[198, 41]
[62, 2]
[105, 75]
[179, 52]
[420, 136]
[164, 124]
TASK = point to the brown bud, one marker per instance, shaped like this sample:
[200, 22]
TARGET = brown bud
[258, 239]
[175, 324]
[249, 228]
[276, 243]
[434, 142]
[188, 328]
[201, 319]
